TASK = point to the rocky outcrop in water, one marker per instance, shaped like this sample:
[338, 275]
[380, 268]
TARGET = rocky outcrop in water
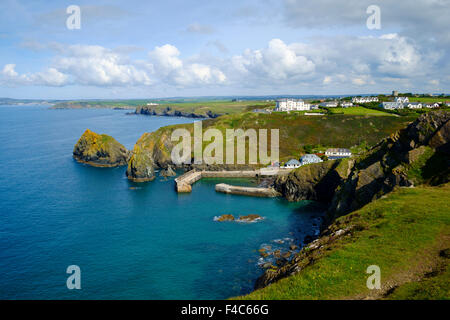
[100, 150]
[168, 172]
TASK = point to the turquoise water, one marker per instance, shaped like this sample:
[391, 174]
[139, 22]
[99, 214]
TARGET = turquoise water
[131, 241]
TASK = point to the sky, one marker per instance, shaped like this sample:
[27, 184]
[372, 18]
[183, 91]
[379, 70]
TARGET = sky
[154, 49]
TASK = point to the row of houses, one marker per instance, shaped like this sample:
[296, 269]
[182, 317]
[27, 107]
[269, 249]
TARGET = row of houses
[364, 99]
[300, 105]
[403, 102]
[332, 154]
[294, 105]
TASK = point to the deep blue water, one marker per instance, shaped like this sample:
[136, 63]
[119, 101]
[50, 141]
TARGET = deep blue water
[131, 241]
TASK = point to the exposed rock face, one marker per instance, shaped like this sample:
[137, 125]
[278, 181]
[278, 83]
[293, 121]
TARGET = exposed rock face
[348, 184]
[100, 150]
[250, 218]
[150, 151]
[316, 181]
[169, 112]
[422, 145]
[168, 172]
[225, 217]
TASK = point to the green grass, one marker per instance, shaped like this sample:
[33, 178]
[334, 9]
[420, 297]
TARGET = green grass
[430, 288]
[220, 107]
[359, 111]
[197, 106]
[428, 99]
[295, 131]
[397, 233]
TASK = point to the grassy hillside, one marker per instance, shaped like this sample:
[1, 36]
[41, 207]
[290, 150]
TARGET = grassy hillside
[406, 234]
[220, 107]
[296, 131]
[200, 107]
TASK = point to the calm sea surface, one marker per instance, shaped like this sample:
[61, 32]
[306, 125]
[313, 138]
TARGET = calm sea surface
[131, 241]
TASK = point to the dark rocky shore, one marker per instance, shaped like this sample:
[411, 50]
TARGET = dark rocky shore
[169, 112]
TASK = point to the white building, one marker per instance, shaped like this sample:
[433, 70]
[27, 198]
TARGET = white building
[413, 105]
[292, 164]
[402, 99]
[292, 105]
[338, 152]
[391, 105]
[309, 158]
[152, 104]
[329, 104]
[364, 99]
[346, 104]
[431, 105]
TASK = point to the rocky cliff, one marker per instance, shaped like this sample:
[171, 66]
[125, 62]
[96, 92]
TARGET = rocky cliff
[171, 112]
[416, 154]
[100, 150]
[150, 151]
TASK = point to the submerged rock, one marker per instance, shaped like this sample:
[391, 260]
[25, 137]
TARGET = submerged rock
[225, 217]
[100, 150]
[250, 218]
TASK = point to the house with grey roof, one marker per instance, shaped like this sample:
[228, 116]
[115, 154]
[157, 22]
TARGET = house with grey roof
[292, 164]
[338, 153]
[309, 158]
[391, 105]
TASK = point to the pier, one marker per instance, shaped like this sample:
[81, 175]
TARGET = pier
[183, 184]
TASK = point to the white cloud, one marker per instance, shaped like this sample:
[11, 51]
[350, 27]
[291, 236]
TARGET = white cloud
[99, 66]
[278, 62]
[49, 77]
[171, 69]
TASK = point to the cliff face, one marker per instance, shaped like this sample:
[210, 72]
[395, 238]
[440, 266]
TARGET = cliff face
[417, 154]
[100, 150]
[414, 155]
[317, 181]
[150, 151]
[169, 112]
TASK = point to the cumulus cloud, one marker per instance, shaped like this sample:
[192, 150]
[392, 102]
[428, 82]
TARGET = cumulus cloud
[49, 77]
[366, 62]
[99, 66]
[170, 68]
[277, 62]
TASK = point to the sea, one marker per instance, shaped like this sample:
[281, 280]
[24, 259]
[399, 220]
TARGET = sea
[128, 240]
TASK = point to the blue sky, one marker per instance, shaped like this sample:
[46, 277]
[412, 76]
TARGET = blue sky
[146, 49]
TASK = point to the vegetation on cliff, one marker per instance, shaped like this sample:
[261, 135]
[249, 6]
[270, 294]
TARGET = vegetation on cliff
[100, 150]
[154, 149]
[404, 231]
[414, 155]
[406, 234]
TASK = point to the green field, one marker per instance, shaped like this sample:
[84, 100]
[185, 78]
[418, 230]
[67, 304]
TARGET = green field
[359, 111]
[220, 107]
[197, 106]
[428, 99]
[406, 234]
